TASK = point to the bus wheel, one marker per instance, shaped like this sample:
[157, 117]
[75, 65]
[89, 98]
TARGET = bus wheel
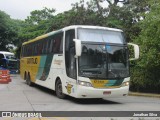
[28, 80]
[59, 91]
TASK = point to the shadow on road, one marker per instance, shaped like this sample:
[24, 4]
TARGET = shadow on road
[91, 101]
[76, 100]
[45, 90]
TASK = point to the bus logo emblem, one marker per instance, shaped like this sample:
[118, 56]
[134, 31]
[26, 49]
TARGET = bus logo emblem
[68, 87]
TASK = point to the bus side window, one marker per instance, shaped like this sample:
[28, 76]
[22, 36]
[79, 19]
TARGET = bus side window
[30, 52]
[43, 48]
[27, 50]
[61, 43]
[23, 51]
[40, 48]
[35, 49]
[47, 46]
[57, 43]
[23, 54]
[32, 49]
[51, 45]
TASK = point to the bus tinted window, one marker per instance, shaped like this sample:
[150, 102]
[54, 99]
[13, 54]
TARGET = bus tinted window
[57, 43]
[51, 44]
[97, 35]
[40, 48]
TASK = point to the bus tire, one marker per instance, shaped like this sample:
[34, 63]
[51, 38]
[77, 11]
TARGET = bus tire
[25, 76]
[59, 91]
[28, 80]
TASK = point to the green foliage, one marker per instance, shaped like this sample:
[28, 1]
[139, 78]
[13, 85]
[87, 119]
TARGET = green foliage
[8, 31]
[36, 24]
[78, 15]
[39, 16]
[119, 17]
[15, 32]
[146, 76]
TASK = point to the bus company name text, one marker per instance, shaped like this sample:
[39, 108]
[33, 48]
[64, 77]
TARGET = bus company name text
[32, 61]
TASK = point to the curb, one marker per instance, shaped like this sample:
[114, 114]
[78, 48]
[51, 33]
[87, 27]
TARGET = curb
[144, 94]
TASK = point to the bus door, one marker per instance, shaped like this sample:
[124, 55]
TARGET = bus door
[70, 60]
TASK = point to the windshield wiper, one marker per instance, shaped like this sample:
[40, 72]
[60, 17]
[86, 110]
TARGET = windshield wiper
[91, 71]
[117, 76]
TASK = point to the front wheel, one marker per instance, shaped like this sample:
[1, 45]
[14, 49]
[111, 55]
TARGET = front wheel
[59, 90]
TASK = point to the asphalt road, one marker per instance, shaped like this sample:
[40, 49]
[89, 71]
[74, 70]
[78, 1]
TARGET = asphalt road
[17, 96]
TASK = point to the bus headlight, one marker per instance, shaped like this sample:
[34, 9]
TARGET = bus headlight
[125, 84]
[83, 83]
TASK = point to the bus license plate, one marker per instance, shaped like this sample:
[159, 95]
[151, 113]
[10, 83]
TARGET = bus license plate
[106, 92]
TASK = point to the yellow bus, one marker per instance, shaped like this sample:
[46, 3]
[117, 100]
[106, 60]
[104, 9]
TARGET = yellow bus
[79, 61]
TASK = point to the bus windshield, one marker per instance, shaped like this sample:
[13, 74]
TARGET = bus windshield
[102, 60]
[103, 64]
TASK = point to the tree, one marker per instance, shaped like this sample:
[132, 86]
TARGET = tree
[93, 14]
[78, 15]
[7, 31]
[38, 16]
[148, 40]
[36, 24]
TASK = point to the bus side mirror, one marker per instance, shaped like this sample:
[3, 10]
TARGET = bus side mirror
[136, 51]
[78, 47]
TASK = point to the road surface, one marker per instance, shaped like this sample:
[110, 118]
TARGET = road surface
[17, 96]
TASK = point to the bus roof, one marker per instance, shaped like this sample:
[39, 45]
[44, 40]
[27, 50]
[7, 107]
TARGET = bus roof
[5, 52]
[91, 27]
[68, 28]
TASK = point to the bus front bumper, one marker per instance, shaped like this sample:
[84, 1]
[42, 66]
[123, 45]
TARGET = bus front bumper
[90, 92]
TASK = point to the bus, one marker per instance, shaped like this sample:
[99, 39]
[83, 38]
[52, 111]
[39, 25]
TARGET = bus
[79, 61]
[9, 61]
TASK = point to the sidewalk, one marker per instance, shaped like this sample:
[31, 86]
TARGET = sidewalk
[144, 94]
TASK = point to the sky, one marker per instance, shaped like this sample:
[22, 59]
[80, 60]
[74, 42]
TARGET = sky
[20, 9]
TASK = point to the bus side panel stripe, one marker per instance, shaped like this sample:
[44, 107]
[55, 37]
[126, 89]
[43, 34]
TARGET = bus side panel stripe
[48, 64]
[41, 66]
[45, 66]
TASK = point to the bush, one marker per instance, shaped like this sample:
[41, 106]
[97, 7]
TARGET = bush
[145, 80]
